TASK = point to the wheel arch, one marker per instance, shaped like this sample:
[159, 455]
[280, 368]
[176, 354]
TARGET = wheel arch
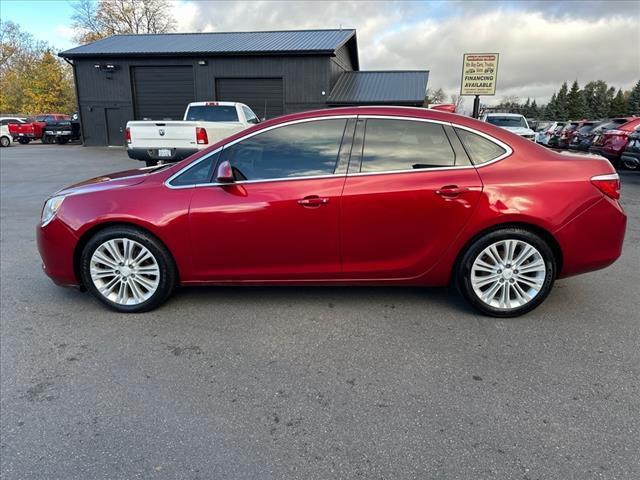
[543, 233]
[86, 236]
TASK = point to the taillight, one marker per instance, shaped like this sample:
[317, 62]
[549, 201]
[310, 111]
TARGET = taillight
[127, 135]
[201, 136]
[608, 184]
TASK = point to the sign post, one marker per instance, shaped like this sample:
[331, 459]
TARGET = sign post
[479, 76]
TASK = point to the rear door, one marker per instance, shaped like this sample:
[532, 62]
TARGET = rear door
[280, 219]
[409, 192]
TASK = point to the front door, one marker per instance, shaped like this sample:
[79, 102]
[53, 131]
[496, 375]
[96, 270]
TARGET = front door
[409, 193]
[280, 219]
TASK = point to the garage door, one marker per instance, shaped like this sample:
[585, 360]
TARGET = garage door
[162, 93]
[264, 95]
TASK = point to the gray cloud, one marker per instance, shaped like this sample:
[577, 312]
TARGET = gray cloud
[541, 44]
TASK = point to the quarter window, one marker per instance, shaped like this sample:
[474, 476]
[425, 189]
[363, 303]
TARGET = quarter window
[479, 148]
[404, 145]
[200, 172]
[298, 150]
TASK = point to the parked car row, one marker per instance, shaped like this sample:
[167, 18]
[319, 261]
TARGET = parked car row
[610, 138]
[49, 128]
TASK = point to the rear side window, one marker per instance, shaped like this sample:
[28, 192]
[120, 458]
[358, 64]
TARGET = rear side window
[201, 172]
[210, 113]
[480, 149]
[298, 150]
[404, 145]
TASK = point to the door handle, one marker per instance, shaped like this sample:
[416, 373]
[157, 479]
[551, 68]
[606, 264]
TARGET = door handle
[451, 191]
[313, 201]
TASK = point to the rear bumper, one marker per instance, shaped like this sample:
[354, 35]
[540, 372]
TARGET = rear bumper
[146, 154]
[56, 244]
[594, 239]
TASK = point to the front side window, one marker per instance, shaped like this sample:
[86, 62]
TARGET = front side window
[298, 150]
[404, 145]
[250, 116]
[479, 148]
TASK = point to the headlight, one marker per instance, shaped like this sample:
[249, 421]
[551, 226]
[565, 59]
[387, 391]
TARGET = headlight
[51, 206]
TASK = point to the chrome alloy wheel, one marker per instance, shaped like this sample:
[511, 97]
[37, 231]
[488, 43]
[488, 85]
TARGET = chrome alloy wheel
[508, 274]
[124, 271]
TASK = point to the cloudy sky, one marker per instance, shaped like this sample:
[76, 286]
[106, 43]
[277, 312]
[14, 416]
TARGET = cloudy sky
[541, 43]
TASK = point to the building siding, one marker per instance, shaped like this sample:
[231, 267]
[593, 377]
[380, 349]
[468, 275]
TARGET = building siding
[305, 78]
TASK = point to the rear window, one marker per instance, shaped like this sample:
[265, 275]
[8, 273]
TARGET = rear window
[480, 149]
[211, 113]
[507, 121]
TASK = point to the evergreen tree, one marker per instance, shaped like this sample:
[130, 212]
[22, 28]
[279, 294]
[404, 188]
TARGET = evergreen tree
[526, 108]
[534, 110]
[576, 106]
[561, 103]
[633, 102]
[618, 106]
[551, 109]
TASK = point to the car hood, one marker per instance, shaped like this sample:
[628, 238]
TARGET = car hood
[520, 130]
[125, 178]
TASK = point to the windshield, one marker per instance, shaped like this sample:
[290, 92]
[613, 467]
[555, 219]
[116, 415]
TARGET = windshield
[507, 121]
[210, 113]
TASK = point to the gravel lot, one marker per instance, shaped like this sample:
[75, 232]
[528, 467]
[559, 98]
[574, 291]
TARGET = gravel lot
[308, 383]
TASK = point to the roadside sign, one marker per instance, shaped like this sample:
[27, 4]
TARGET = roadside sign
[479, 74]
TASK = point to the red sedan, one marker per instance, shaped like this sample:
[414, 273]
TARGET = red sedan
[350, 196]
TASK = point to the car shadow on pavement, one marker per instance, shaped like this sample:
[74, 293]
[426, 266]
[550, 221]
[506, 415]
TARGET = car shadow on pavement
[429, 297]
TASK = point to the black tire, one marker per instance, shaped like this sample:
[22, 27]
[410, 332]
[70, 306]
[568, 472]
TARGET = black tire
[62, 140]
[464, 267]
[47, 140]
[151, 163]
[5, 142]
[23, 141]
[168, 272]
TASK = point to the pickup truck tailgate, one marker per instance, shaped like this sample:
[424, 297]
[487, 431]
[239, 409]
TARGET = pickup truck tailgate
[145, 134]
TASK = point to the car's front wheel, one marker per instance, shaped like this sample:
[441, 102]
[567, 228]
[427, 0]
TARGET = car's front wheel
[127, 269]
[507, 272]
[5, 142]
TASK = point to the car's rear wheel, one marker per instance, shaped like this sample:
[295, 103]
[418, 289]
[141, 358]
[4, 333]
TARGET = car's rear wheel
[127, 269]
[4, 142]
[24, 141]
[507, 272]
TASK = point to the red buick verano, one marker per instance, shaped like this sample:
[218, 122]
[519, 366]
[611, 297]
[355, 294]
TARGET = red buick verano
[350, 196]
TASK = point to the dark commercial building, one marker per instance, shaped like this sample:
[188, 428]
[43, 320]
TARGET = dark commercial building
[155, 76]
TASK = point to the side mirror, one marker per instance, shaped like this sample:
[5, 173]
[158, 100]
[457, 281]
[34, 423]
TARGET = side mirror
[225, 173]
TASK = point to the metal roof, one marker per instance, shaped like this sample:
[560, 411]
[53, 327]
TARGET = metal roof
[380, 87]
[219, 43]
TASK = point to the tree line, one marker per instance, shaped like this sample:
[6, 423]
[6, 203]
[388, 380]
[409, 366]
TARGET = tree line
[596, 100]
[32, 79]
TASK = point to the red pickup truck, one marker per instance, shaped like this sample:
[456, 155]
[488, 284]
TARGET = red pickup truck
[34, 128]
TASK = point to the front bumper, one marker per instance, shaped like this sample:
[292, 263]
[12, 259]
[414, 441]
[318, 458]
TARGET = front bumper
[56, 244]
[152, 154]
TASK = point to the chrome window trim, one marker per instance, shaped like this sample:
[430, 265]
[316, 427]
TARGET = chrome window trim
[507, 148]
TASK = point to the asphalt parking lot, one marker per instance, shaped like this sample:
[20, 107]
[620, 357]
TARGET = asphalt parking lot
[308, 383]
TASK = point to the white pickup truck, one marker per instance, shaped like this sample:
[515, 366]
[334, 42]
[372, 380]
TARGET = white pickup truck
[204, 123]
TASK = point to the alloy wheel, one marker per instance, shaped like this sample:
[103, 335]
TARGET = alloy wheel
[124, 271]
[508, 274]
